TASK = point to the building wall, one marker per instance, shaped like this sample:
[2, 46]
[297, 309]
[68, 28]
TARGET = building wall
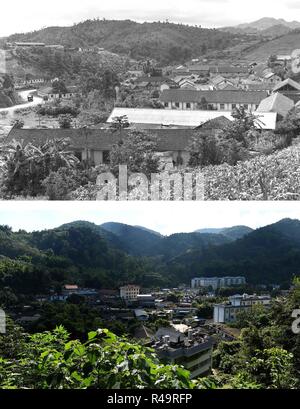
[199, 364]
[129, 292]
[215, 106]
[219, 314]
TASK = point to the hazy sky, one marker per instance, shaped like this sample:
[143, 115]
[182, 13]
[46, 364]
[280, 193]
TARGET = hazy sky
[165, 217]
[23, 16]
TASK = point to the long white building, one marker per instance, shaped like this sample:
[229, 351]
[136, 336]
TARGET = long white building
[217, 282]
[228, 312]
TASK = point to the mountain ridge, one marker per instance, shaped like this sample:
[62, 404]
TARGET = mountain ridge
[163, 41]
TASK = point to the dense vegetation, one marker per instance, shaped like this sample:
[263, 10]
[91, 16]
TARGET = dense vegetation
[41, 262]
[164, 42]
[55, 62]
[267, 255]
[51, 360]
[267, 353]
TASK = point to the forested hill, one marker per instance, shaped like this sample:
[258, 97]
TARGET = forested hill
[164, 42]
[88, 255]
[267, 255]
[139, 241]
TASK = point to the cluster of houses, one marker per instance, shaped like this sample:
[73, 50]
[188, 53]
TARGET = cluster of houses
[181, 337]
[228, 311]
[49, 94]
[196, 98]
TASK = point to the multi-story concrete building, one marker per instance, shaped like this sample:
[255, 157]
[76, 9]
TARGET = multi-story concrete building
[227, 312]
[192, 349]
[217, 282]
[129, 292]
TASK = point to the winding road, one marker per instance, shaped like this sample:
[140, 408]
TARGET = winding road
[24, 94]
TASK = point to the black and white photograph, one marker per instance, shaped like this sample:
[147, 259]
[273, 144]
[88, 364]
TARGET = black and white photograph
[159, 89]
[149, 202]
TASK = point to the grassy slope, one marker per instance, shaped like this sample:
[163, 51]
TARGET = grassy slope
[282, 45]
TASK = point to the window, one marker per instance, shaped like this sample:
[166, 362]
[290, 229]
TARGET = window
[166, 104]
[233, 106]
[78, 155]
[246, 106]
[106, 157]
[188, 105]
[222, 107]
[177, 104]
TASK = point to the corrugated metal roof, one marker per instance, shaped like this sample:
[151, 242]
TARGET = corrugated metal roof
[176, 117]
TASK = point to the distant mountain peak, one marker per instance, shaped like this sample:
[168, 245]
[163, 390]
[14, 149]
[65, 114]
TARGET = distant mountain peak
[233, 233]
[268, 22]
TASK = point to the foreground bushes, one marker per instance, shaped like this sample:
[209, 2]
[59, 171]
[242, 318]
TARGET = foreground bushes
[50, 360]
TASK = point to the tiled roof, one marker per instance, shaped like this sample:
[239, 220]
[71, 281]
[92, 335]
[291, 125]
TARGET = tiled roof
[101, 139]
[276, 103]
[260, 86]
[217, 79]
[217, 123]
[216, 96]
[153, 79]
[198, 67]
[228, 87]
[229, 69]
[288, 81]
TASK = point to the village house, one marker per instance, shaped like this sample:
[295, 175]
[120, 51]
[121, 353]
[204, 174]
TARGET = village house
[181, 71]
[93, 146]
[190, 84]
[29, 81]
[219, 81]
[28, 44]
[48, 94]
[289, 88]
[228, 71]
[278, 103]
[271, 78]
[283, 58]
[250, 85]
[201, 70]
[153, 82]
[220, 100]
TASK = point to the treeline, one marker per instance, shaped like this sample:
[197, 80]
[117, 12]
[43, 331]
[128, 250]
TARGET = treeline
[36, 263]
[165, 42]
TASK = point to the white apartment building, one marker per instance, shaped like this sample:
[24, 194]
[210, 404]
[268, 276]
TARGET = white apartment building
[129, 292]
[217, 282]
[228, 312]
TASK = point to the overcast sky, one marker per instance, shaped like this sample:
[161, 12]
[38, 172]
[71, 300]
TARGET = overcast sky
[164, 217]
[29, 15]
